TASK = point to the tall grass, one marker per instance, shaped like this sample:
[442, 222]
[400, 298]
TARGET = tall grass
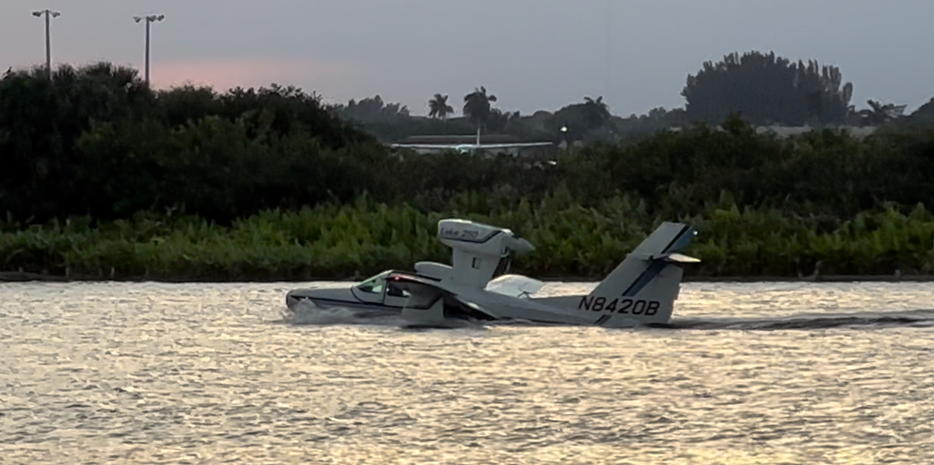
[350, 241]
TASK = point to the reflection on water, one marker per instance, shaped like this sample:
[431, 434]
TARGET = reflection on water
[206, 373]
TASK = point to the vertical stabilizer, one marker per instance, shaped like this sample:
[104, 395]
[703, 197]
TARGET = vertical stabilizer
[646, 284]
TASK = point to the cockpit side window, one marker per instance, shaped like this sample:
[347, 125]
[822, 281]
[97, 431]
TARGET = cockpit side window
[395, 291]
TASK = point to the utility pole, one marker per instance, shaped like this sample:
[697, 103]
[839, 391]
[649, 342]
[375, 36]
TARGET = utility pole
[609, 49]
[49, 14]
[149, 20]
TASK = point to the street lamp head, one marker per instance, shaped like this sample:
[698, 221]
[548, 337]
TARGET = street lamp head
[149, 18]
[56, 14]
[37, 13]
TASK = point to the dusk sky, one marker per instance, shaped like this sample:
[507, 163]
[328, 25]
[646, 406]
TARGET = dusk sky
[532, 54]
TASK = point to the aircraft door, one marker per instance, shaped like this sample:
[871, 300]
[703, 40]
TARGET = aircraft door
[396, 296]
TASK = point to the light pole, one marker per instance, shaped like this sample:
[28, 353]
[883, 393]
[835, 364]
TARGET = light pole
[49, 14]
[149, 20]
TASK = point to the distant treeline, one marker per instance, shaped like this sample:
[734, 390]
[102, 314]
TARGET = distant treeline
[209, 180]
[97, 142]
[766, 90]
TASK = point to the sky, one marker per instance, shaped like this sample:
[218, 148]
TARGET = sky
[532, 54]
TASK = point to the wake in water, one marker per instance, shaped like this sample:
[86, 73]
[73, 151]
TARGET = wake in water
[306, 313]
[309, 314]
[912, 318]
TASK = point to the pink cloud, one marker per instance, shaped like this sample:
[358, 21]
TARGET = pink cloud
[224, 75]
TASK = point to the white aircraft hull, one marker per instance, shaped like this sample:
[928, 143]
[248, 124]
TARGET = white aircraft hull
[294, 303]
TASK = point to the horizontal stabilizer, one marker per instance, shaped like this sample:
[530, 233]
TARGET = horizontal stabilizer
[680, 258]
[673, 257]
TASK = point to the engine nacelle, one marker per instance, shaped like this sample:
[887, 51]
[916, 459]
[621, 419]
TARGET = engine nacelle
[478, 249]
[434, 270]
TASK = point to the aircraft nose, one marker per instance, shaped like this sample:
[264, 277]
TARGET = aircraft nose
[291, 299]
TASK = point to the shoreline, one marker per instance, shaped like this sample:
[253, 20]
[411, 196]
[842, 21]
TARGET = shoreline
[24, 277]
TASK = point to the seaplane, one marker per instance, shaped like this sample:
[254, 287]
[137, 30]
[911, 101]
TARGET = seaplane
[641, 290]
[470, 148]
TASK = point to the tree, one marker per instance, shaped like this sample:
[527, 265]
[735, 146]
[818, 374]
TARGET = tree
[96, 140]
[596, 113]
[765, 89]
[878, 113]
[477, 106]
[500, 121]
[374, 109]
[580, 119]
[439, 108]
[924, 112]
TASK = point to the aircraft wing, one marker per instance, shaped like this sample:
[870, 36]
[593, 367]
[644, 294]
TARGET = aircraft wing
[515, 285]
[424, 293]
[474, 146]
[518, 144]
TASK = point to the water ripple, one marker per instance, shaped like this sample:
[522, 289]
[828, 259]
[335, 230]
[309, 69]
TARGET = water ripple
[746, 373]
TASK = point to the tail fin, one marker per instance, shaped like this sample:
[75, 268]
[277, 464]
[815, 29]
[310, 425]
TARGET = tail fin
[646, 284]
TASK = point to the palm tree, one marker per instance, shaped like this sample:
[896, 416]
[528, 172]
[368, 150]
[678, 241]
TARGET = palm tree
[440, 109]
[477, 105]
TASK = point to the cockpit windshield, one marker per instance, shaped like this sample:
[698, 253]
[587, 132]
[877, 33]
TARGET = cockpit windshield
[375, 284]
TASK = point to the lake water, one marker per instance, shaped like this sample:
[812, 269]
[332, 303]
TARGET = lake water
[212, 373]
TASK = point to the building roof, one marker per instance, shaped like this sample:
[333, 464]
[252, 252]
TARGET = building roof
[461, 139]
